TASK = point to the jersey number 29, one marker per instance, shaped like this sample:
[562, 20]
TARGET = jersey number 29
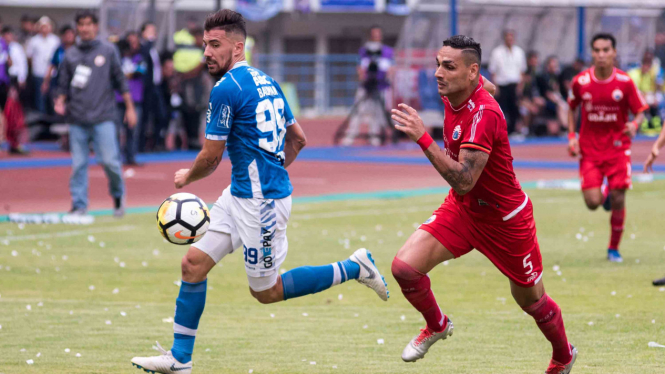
[274, 124]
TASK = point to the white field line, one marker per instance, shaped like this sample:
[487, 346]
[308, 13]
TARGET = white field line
[368, 212]
[67, 234]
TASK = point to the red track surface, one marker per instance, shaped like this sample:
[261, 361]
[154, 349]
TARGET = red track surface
[46, 190]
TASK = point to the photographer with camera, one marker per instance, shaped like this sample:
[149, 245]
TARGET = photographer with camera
[373, 95]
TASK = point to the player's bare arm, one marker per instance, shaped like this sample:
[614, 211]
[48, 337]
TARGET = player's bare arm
[631, 127]
[573, 143]
[295, 141]
[462, 175]
[489, 86]
[205, 164]
[655, 151]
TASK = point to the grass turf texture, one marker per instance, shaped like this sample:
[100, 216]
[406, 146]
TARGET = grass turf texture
[236, 334]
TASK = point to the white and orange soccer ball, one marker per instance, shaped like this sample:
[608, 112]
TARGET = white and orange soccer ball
[183, 218]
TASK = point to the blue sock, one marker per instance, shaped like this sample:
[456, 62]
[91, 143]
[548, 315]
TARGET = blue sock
[189, 307]
[307, 280]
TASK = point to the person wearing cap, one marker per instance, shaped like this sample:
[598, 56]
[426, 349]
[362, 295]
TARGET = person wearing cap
[40, 50]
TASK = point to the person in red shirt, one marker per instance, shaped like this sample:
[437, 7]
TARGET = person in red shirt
[605, 95]
[486, 208]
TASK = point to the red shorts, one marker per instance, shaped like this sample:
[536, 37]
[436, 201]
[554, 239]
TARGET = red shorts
[511, 245]
[617, 170]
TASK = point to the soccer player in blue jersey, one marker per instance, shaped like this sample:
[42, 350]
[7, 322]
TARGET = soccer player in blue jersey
[249, 114]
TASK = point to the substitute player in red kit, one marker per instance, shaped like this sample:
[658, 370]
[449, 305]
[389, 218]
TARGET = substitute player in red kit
[486, 208]
[606, 94]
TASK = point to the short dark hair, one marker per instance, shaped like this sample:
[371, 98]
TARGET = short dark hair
[145, 25]
[26, 18]
[64, 29]
[532, 54]
[604, 36]
[83, 14]
[6, 29]
[227, 20]
[469, 47]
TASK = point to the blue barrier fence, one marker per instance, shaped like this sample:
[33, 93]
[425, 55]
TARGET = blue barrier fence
[322, 82]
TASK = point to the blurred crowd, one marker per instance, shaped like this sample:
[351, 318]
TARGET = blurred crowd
[169, 88]
[532, 91]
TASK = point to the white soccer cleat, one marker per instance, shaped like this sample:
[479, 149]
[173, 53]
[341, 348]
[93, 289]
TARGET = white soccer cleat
[164, 363]
[559, 368]
[369, 273]
[419, 345]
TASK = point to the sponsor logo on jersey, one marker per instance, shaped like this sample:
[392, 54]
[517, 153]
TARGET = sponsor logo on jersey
[224, 115]
[584, 79]
[617, 95]
[603, 117]
[471, 105]
[587, 96]
[533, 276]
[457, 132]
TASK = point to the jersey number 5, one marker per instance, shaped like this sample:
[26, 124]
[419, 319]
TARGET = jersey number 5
[274, 124]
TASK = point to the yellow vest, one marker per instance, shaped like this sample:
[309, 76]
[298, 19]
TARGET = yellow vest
[187, 55]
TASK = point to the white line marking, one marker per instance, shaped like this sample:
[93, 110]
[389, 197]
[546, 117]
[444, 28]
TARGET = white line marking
[66, 234]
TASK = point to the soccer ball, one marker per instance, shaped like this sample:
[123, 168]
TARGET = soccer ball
[183, 218]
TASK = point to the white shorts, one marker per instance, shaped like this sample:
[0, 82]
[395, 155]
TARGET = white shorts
[259, 225]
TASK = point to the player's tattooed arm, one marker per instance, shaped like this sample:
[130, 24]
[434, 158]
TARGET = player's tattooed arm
[295, 142]
[205, 164]
[463, 175]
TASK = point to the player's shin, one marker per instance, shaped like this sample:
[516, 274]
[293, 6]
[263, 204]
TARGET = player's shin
[616, 223]
[189, 307]
[307, 280]
[550, 321]
[416, 288]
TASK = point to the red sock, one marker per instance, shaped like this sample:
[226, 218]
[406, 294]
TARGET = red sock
[548, 318]
[616, 223]
[416, 288]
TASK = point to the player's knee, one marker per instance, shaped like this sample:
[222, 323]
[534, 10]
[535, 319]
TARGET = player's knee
[191, 271]
[592, 203]
[403, 272]
[269, 296]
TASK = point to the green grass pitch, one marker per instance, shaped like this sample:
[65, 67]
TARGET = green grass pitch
[611, 311]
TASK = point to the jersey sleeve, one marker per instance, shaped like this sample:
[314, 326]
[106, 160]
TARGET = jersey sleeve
[636, 102]
[480, 135]
[221, 109]
[574, 99]
[288, 115]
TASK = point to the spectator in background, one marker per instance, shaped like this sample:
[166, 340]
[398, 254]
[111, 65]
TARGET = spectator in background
[567, 75]
[27, 29]
[374, 74]
[507, 64]
[188, 61]
[530, 100]
[648, 80]
[134, 69]
[176, 136]
[154, 109]
[40, 51]
[5, 62]
[555, 110]
[87, 78]
[18, 72]
[67, 39]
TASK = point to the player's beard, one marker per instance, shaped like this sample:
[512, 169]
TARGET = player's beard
[221, 71]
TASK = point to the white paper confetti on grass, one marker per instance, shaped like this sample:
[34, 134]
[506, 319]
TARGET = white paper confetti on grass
[28, 307]
[340, 297]
[67, 350]
[662, 289]
[21, 226]
[380, 341]
[177, 283]
[122, 264]
[590, 323]
[613, 293]
[22, 349]
[578, 236]
[108, 322]
[559, 273]
[400, 234]
[145, 264]
[617, 315]
[653, 321]
[356, 315]
[632, 236]
[40, 304]
[30, 362]
[38, 354]
[123, 314]
[655, 345]
[14, 253]
[364, 326]
[403, 317]
[582, 229]
[207, 349]
[116, 259]
[78, 355]
[445, 263]
[91, 287]
[167, 320]
[334, 367]
[102, 244]
[91, 238]
[155, 252]
[272, 315]
[115, 291]
[71, 312]
[305, 314]
[38, 271]
[637, 260]
[312, 362]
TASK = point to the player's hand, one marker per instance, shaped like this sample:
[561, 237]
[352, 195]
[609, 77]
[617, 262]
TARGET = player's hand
[631, 129]
[648, 165]
[130, 117]
[409, 122]
[181, 178]
[59, 107]
[573, 147]
[44, 88]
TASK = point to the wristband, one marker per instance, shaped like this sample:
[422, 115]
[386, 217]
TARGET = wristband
[572, 135]
[425, 141]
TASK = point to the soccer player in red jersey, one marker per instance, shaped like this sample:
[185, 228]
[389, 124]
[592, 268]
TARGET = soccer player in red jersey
[605, 94]
[486, 208]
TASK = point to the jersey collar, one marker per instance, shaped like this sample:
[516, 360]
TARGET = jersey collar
[608, 80]
[239, 64]
[478, 88]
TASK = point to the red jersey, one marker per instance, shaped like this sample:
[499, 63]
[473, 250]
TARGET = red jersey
[605, 106]
[479, 124]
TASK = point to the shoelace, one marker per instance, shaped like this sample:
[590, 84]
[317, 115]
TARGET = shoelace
[425, 334]
[161, 350]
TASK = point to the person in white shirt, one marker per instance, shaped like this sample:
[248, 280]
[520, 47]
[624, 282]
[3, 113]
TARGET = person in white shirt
[507, 64]
[19, 68]
[40, 50]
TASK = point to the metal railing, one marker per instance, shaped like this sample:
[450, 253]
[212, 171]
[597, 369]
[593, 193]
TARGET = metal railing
[323, 82]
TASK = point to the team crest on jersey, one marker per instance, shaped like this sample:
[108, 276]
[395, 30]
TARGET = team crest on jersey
[224, 115]
[584, 79]
[429, 220]
[457, 131]
[617, 95]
